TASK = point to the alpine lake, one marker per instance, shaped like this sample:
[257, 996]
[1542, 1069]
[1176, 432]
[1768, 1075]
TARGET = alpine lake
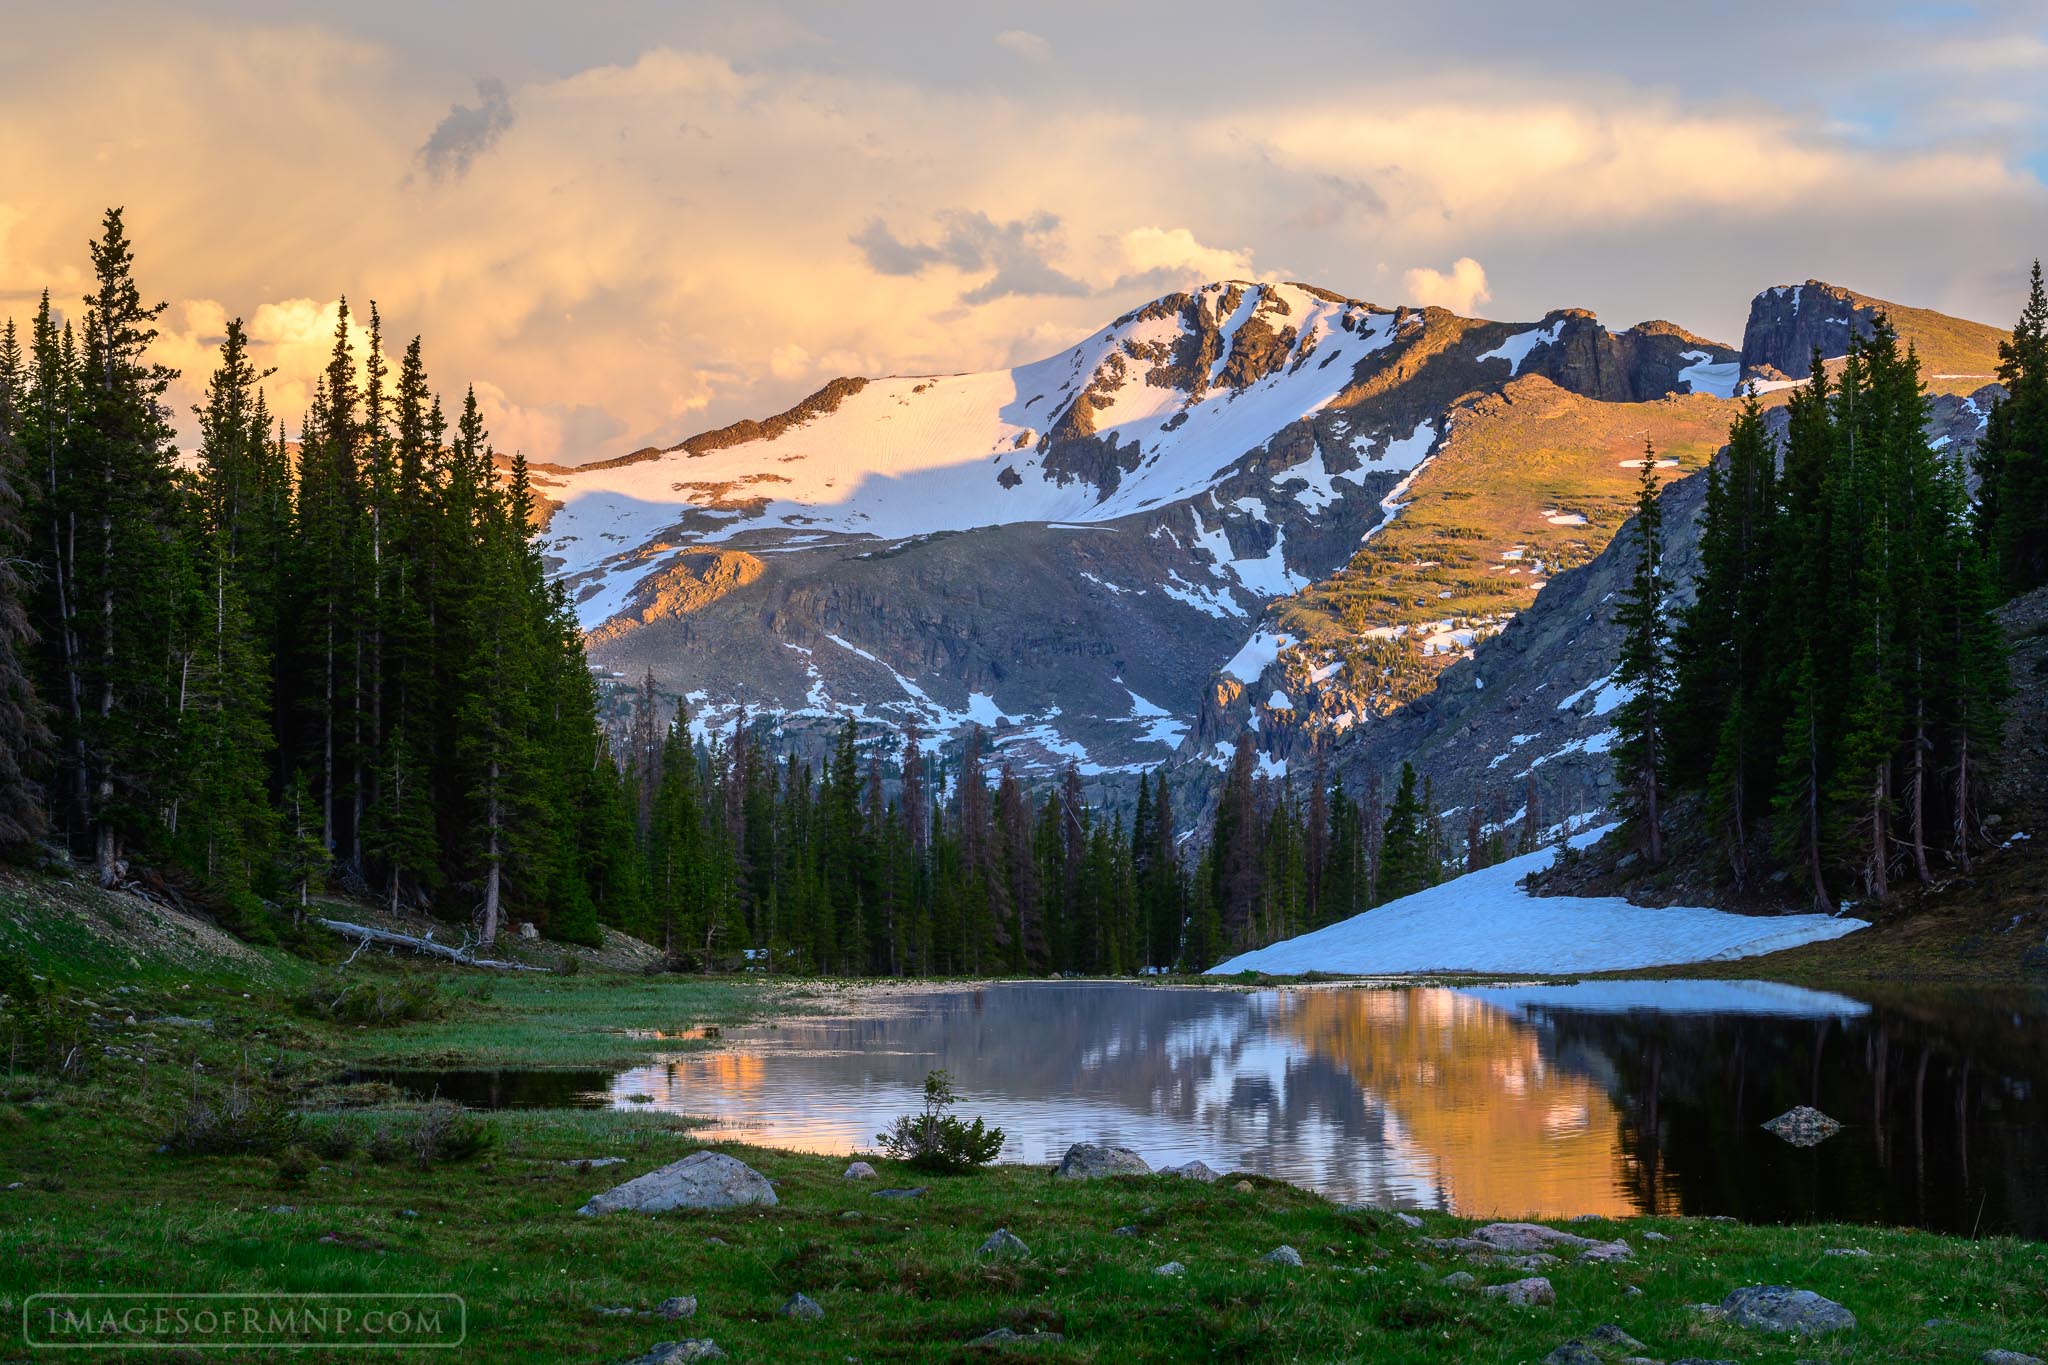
[1613, 1098]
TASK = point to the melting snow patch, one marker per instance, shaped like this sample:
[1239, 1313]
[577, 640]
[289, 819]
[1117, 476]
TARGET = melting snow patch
[1257, 655]
[1516, 348]
[1485, 922]
[1707, 377]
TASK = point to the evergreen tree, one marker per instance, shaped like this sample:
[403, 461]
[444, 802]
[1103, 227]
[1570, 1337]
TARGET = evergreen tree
[2012, 454]
[1405, 862]
[1642, 668]
[24, 731]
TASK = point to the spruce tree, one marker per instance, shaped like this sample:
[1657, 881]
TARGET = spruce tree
[24, 731]
[1642, 668]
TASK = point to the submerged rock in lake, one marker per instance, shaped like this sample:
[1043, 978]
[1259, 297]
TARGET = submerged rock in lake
[1774, 1308]
[1094, 1160]
[701, 1180]
[1803, 1126]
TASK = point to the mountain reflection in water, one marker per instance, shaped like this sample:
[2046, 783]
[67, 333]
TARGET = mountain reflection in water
[1610, 1098]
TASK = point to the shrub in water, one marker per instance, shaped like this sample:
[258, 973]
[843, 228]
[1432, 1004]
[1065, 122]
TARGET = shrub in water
[936, 1141]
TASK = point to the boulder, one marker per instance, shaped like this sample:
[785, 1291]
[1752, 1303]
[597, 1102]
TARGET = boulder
[1534, 1292]
[859, 1170]
[1004, 1245]
[701, 1180]
[1458, 1279]
[1170, 1269]
[681, 1306]
[803, 1308]
[1614, 1339]
[1004, 1336]
[1193, 1170]
[1573, 1352]
[1093, 1160]
[2008, 1358]
[1282, 1255]
[1774, 1308]
[527, 931]
[679, 1352]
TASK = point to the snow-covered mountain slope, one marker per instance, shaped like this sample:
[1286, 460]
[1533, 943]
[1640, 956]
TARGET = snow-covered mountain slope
[1485, 922]
[1068, 552]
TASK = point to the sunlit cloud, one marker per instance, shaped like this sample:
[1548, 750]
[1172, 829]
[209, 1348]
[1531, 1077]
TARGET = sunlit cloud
[1461, 289]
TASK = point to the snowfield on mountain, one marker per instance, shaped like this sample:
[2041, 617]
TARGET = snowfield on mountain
[1485, 922]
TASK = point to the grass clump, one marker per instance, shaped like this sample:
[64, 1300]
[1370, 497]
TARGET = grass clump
[935, 1141]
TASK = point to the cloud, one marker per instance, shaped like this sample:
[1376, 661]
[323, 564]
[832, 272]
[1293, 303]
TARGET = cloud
[1018, 251]
[1462, 290]
[1160, 259]
[1029, 46]
[466, 133]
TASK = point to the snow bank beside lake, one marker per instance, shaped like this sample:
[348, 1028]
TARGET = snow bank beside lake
[1484, 922]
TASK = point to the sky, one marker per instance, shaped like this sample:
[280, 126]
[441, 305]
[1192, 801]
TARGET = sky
[625, 223]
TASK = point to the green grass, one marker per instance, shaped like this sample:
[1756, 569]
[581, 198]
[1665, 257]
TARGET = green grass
[101, 1209]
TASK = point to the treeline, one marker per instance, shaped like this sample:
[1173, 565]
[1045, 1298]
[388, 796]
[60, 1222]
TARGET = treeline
[277, 666]
[889, 862]
[1834, 694]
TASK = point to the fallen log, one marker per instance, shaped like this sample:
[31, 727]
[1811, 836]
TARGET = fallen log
[362, 933]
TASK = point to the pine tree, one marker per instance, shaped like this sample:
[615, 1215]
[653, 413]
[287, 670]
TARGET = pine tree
[1405, 863]
[24, 731]
[1643, 669]
[2012, 454]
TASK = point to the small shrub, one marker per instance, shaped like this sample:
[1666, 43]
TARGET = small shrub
[936, 1141]
[236, 1122]
[335, 1141]
[41, 1030]
[295, 1166]
[448, 1132]
[376, 1001]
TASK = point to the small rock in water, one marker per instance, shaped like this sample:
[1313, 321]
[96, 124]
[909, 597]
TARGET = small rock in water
[1093, 1160]
[803, 1307]
[1003, 1244]
[1170, 1268]
[679, 1352]
[1534, 1292]
[1282, 1255]
[681, 1306]
[859, 1170]
[914, 1192]
[1803, 1126]
[1125, 1231]
[1458, 1279]
[1774, 1308]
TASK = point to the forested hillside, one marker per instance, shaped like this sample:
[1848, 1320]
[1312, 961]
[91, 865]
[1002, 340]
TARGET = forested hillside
[277, 666]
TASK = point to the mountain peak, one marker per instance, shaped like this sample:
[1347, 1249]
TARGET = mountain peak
[1787, 322]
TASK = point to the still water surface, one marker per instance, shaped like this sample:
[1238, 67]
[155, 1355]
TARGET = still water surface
[1603, 1097]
